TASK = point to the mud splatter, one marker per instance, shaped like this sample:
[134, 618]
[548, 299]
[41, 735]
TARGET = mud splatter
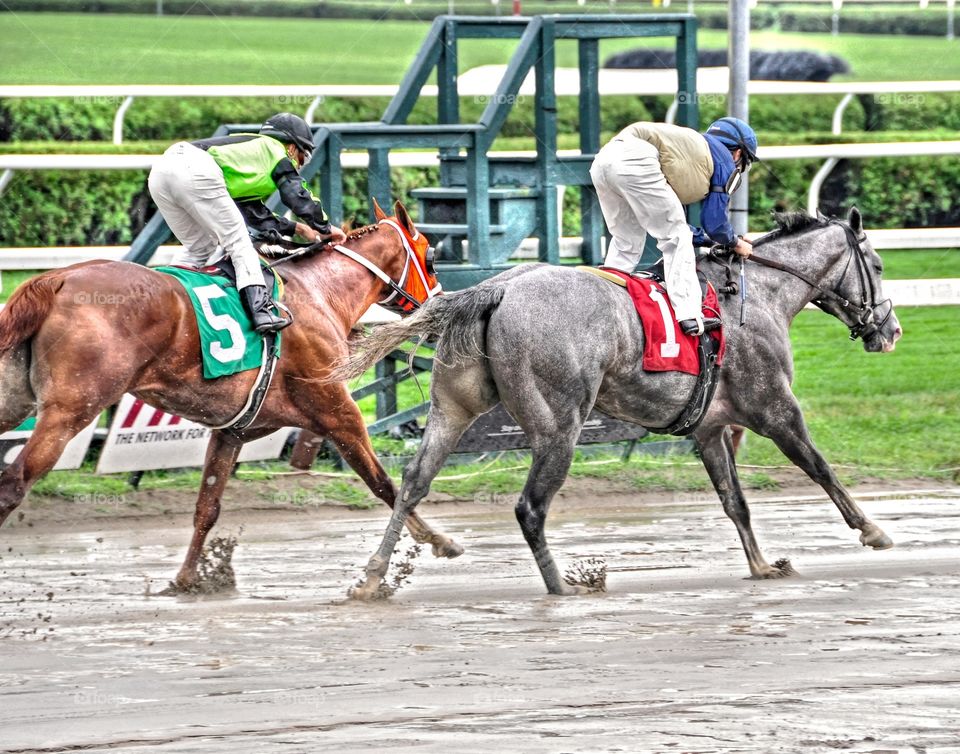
[215, 573]
[591, 573]
[401, 571]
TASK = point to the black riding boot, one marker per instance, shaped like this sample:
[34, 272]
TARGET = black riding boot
[259, 304]
[692, 327]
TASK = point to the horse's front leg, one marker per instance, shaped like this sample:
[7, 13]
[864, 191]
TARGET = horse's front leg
[785, 426]
[342, 423]
[221, 457]
[445, 425]
[716, 451]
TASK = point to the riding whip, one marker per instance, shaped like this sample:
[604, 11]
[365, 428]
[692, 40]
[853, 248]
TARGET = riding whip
[743, 294]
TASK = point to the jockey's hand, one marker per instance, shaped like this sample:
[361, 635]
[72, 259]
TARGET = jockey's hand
[305, 231]
[743, 248]
[336, 235]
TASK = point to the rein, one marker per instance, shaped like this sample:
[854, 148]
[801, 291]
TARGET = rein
[396, 286]
[862, 313]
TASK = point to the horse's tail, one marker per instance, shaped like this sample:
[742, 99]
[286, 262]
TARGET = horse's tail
[452, 319]
[27, 309]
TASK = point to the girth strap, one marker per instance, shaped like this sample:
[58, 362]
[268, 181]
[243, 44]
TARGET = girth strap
[258, 391]
[703, 390]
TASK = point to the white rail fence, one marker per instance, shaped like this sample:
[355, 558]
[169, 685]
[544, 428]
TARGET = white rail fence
[932, 292]
[482, 81]
[832, 153]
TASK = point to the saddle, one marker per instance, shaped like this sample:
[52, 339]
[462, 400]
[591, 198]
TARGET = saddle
[666, 348]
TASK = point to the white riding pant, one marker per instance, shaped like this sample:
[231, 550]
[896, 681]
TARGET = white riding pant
[188, 187]
[636, 199]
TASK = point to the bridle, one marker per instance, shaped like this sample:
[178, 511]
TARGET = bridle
[411, 261]
[398, 295]
[863, 314]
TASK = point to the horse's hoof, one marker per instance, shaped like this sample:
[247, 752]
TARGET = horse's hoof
[444, 547]
[367, 591]
[873, 536]
[572, 590]
[779, 570]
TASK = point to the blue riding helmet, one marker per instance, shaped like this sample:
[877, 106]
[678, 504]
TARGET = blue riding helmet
[735, 133]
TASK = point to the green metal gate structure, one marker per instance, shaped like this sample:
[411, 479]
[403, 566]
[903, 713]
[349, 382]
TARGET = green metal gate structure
[490, 202]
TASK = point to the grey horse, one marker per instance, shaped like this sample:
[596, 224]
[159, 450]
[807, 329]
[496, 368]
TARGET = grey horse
[552, 343]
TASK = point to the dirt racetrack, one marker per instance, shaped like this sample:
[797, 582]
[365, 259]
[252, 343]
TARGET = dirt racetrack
[860, 653]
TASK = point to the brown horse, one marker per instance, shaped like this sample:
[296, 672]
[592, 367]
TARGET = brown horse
[73, 341]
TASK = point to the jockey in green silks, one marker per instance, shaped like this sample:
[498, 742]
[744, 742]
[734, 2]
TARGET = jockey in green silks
[210, 191]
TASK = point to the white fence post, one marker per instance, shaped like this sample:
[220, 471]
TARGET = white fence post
[118, 119]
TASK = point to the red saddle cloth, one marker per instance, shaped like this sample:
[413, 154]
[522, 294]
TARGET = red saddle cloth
[667, 349]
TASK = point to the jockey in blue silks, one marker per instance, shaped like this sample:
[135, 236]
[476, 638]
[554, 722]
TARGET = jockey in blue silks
[646, 174]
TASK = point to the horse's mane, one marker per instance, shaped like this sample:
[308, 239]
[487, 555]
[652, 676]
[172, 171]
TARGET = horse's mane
[791, 224]
[276, 252]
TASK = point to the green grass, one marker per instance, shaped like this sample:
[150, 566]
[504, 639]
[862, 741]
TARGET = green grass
[51, 48]
[920, 264]
[894, 414]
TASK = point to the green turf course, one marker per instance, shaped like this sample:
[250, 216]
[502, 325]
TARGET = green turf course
[51, 48]
[880, 414]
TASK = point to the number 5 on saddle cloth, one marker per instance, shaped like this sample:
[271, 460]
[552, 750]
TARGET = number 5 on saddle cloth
[228, 342]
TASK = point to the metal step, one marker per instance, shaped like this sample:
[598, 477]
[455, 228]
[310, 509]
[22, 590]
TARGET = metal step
[454, 229]
[453, 193]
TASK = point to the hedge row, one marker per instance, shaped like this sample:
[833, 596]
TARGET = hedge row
[168, 119]
[109, 207]
[908, 20]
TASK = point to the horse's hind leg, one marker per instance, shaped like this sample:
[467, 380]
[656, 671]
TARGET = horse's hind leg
[56, 426]
[552, 456]
[446, 423]
[789, 432]
[17, 400]
[716, 450]
[222, 452]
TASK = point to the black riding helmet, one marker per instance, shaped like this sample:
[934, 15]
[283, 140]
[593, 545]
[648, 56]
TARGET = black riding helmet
[290, 129]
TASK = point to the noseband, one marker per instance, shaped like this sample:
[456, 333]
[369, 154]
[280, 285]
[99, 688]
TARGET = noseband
[863, 314]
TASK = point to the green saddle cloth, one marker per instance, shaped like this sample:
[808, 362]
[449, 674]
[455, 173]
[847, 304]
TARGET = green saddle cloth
[228, 342]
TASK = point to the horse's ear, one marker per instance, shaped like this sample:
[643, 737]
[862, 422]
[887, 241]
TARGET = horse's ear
[821, 217]
[400, 212]
[855, 220]
[377, 212]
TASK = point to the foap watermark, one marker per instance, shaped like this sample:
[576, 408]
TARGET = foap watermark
[494, 498]
[701, 98]
[299, 498]
[93, 698]
[100, 499]
[99, 298]
[499, 99]
[114, 100]
[311, 699]
[900, 99]
[296, 101]
[111, 298]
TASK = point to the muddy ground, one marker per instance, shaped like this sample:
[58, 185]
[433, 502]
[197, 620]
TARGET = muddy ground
[860, 653]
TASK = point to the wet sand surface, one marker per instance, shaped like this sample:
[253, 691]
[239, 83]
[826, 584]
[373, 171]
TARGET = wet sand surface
[860, 653]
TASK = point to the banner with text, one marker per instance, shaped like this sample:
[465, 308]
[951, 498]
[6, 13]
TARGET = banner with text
[143, 438]
[12, 442]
